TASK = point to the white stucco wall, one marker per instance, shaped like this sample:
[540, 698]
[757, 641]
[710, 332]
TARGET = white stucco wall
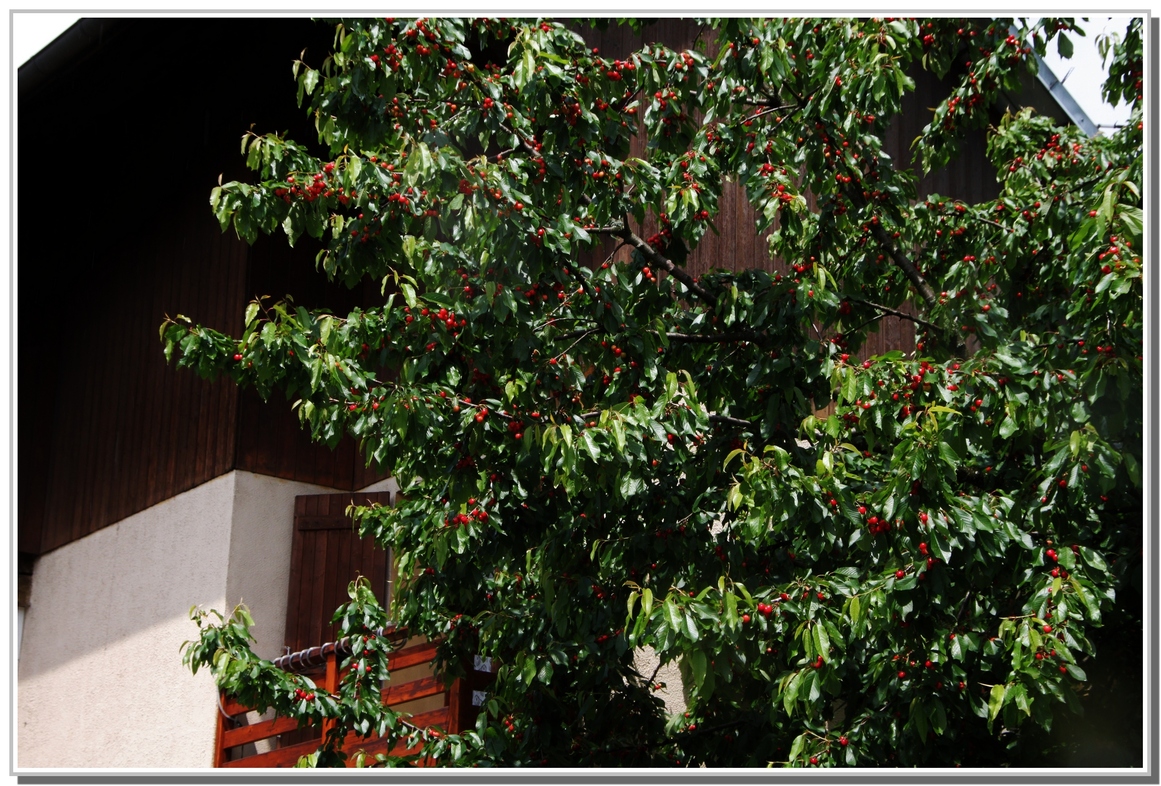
[646, 660]
[260, 543]
[100, 678]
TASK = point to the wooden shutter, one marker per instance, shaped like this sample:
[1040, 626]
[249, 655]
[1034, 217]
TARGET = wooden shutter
[327, 555]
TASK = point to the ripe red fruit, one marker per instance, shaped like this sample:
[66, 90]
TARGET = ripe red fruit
[237, 357]
[843, 741]
[1047, 628]
[814, 760]
[902, 675]
[746, 618]
[899, 574]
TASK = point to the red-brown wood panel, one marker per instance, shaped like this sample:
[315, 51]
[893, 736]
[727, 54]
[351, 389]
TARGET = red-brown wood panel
[326, 556]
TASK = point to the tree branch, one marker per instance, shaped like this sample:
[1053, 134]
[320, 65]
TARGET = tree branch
[904, 262]
[855, 195]
[667, 264]
[900, 314]
[727, 420]
[717, 338]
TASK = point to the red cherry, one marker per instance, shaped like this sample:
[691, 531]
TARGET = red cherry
[237, 357]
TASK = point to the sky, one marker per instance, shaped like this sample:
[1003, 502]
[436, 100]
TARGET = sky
[1082, 75]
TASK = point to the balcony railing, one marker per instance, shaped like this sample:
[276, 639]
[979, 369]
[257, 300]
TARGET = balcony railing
[244, 740]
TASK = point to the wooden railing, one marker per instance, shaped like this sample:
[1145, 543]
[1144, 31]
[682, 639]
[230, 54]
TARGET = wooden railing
[246, 741]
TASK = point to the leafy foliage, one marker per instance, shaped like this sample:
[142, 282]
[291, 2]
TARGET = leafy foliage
[902, 559]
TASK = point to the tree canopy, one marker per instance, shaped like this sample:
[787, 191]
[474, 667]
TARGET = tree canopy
[908, 558]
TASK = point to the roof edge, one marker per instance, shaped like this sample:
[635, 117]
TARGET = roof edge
[77, 42]
[1064, 99]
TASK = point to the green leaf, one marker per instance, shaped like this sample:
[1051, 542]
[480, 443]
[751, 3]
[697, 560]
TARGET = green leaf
[1007, 427]
[790, 694]
[918, 717]
[691, 630]
[938, 716]
[1132, 468]
[734, 496]
[697, 663]
[590, 445]
[822, 640]
[996, 701]
[731, 610]
[1020, 696]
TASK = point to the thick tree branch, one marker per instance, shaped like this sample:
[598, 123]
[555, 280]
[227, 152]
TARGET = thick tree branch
[665, 263]
[905, 264]
[855, 195]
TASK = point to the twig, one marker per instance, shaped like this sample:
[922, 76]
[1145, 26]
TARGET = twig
[895, 313]
[719, 338]
[768, 110]
[727, 420]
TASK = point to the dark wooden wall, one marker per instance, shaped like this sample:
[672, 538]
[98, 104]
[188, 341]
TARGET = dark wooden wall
[118, 150]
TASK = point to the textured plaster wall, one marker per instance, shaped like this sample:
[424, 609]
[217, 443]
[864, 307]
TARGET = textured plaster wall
[100, 679]
[260, 542]
[646, 660]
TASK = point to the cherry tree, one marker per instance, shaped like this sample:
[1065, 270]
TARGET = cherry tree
[904, 559]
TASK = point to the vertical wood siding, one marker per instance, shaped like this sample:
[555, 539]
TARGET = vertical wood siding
[327, 555]
[135, 431]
